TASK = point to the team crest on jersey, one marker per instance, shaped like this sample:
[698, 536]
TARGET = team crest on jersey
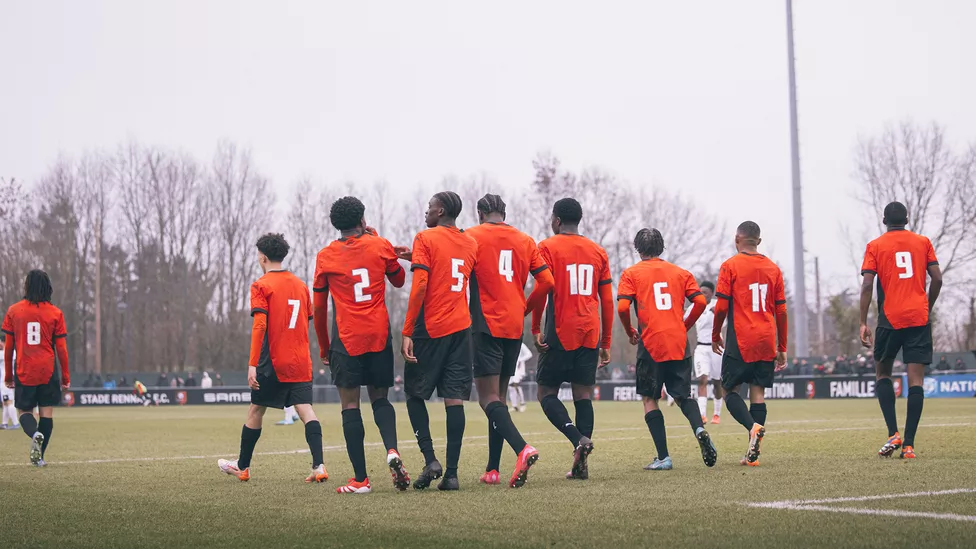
[68, 399]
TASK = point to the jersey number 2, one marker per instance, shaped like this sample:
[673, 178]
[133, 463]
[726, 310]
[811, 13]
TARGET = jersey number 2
[33, 333]
[363, 283]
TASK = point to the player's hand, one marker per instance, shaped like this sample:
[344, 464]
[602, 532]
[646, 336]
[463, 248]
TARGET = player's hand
[866, 336]
[780, 361]
[252, 378]
[604, 358]
[634, 337]
[9, 383]
[325, 360]
[540, 344]
[403, 253]
[406, 349]
[65, 386]
[371, 230]
[718, 347]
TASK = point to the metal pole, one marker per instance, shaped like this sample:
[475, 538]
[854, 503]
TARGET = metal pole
[98, 295]
[820, 317]
[800, 325]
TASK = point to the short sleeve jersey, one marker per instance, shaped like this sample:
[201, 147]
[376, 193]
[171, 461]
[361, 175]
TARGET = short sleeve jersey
[284, 298]
[34, 327]
[448, 255]
[900, 259]
[579, 267]
[506, 257]
[753, 285]
[659, 289]
[354, 270]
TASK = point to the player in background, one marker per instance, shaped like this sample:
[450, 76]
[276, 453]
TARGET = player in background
[279, 370]
[354, 269]
[140, 390]
[708, 365]
[6, 397]
[35, 329]
[437, 333]
[290, 417]
[580, 307]
[506, 258]
[900, 259]
[751, 294]
[515, 393]
[658, 289]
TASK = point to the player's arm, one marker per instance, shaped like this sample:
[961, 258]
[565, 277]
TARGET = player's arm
[723, 293]
[259, 328]
[8, 359]
[606, 312]
[540, 305]
[394, 271]
[544, 281]
[869, 270]
[693, 292]
[782, 322]
[935, 273]
[320, 309]
[61, 349]
[626, 294]
[418, 293]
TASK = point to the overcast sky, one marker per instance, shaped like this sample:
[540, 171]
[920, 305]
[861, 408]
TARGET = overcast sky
[687, 95]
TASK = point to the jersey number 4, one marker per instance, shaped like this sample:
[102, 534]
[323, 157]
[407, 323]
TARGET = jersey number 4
[580, 279]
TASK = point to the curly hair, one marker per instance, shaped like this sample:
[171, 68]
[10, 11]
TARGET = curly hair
[568, 210]
[274, 246]
[37, 287]
[346, 213]
[649, 242]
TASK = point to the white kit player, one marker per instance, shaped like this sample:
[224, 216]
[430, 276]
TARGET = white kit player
[11, 419]
[515, 394]
[708, 365]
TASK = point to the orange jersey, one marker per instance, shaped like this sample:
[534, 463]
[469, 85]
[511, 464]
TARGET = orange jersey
[448, 256]
[354, 271]
[506, 257]
[285, 301]
[659, 289]
[579, 268]
[901, 260]
[753, 288]
[35, 330]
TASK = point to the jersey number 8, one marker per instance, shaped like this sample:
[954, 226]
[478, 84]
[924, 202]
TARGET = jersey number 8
[33, 333]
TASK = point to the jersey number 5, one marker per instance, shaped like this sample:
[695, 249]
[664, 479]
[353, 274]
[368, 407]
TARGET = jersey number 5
[580, 279]
[903, 260]
[456, 265]
[363, 283]
[33, 333]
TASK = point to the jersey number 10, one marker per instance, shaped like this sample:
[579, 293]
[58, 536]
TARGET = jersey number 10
[580, 279]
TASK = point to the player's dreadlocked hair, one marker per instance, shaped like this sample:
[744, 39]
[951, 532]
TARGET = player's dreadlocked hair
[749, 229]
[451, 202]
[568, 210]
[649, 242]
[37, 287]
[491, 203]
[274, 246]
[346, 213]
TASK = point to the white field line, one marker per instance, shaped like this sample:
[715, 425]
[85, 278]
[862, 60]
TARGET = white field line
[476, 440]
[819, 505]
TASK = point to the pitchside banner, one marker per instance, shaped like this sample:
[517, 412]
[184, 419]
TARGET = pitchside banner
[951, 386]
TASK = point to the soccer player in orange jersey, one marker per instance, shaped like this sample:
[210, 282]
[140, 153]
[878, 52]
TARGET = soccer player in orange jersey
[279, 370]
[580, 307]
[752, 295]
[354, 269]
[437, 333]
[35, 329]
[506, 258]
[658, 290]
[900, 260]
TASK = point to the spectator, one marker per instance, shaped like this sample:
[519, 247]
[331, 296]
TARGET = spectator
[180, 382]
[190, 380]
[122, 382]
[805, 368]
[174, 383]
[206, 382]
[617, 374]
[960, 365]
[943, 365]
[162, 381]
[98, 381]
[109, 383]
[218, 382]
[90, 382]
[322, 379]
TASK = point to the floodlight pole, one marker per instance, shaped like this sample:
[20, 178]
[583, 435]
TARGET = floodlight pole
[800, 323]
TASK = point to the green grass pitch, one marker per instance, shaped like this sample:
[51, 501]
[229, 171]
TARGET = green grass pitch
[138, 477]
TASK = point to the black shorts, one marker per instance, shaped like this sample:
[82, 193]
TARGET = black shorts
[495, 356]
[735, 372]
[372, 369]
[28, 396]
[443, 363]
[577, 366]
[673, 374]
[280, 394]
[914, 343]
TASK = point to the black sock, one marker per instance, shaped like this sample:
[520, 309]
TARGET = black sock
[559, 417]
[420, 421]
[313, 436]
[737, 407]
[691, 411]
[249, 439]
[584, 417]
[916, 398]
[385, 417]
[355, 433]
[495, 444]
[655, 424]
[501, 420]
[758, 411]
[886, 398]
[28, 423]
[455, 433]
[45, 426]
